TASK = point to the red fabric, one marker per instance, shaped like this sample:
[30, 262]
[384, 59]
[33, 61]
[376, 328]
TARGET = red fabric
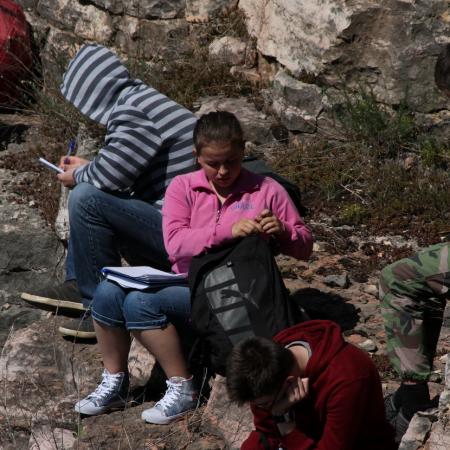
[15, 49]
[344, 409]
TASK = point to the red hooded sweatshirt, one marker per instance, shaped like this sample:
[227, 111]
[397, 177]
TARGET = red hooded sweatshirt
[344, 409]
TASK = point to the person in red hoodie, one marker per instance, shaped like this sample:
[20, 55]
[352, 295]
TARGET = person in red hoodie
[309, 389]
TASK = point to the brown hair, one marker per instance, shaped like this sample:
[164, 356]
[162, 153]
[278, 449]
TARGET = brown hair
[257, 367]
[218, 126]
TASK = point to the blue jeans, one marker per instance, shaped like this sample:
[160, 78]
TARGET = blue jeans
[102, 225]
[115, 306]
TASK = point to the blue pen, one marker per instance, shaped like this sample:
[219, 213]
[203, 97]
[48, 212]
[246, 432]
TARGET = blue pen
[69, 151]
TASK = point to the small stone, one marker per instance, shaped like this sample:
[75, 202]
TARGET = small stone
[229, 49]
[436, 377]
[6, 306]
[341, 281]
[355, 339]
[368, 345]
[319, 246]
[250, 75]
[409, 162]
[45, 438]
[371, 289]
[32, 203]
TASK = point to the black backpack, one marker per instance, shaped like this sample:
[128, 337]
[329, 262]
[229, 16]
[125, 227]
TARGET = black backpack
[236, 292]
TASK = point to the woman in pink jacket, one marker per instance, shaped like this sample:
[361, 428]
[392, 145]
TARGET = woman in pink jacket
[222, 201]
[207, 208]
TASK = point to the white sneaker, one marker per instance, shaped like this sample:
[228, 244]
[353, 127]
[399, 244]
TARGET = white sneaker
[110, 393]
[180, 397]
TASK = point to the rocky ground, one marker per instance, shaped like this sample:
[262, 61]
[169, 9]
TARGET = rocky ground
[42, 375]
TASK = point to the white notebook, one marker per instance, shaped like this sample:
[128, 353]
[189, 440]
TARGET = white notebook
[143, 277]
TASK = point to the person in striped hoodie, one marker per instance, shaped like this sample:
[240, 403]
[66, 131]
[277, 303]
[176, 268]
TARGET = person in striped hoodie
[116, 198]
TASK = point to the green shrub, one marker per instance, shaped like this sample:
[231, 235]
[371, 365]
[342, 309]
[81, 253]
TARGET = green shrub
[434, 154]
[354, 213]
[363, 119]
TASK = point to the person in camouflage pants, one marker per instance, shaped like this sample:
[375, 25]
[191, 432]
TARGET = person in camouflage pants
[413, 294]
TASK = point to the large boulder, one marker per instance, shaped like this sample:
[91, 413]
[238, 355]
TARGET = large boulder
[29, 257]
[225, 419]
[203, 10]
[256, 124]
[152, 40]
[148, 9]
[297, 104]
[64, 14]
[390, 45]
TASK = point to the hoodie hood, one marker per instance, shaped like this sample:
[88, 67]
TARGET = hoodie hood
[94, 81]
[324, 337]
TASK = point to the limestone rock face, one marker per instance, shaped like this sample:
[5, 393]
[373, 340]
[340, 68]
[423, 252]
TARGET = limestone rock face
[203, 10]
[225, 418]
[297, 32]
[256, 124]
[88, 22]
[440, 435]
[149, 9]
[228, 49]
[46, 438]
[390, 45]
[152, 40]
[297, 104]
[29, 256]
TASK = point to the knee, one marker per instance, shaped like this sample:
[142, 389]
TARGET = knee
[107, 301]
[131, 308]
[140, 312]
[80, 196]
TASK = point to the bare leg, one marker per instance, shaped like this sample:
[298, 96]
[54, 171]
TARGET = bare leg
[114, 346]
[164, 345]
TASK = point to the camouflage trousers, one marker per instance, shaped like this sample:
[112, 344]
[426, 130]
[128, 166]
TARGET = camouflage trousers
[413, 292]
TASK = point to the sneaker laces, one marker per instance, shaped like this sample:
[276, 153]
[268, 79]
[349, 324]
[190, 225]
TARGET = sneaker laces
[171, 395]
[109, 384]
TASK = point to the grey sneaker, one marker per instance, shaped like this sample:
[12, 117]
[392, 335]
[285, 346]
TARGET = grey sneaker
[111, 393]
[78, 328]
[180, 397]
[63, 298]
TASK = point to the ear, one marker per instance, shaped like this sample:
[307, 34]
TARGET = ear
[195, 153]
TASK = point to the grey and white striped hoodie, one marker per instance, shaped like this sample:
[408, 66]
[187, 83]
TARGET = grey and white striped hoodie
[149, 137]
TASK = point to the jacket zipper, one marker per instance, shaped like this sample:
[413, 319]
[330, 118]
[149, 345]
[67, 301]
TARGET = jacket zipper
[219, 211]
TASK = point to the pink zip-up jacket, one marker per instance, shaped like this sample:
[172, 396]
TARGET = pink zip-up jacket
[194, 220]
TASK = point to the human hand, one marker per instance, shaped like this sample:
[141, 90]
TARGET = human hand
[67, 178]
[294, 390]
[245, 227]
[71, 162]
[269, 222]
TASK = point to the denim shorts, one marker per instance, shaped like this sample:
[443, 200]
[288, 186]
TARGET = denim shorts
[115, 306]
